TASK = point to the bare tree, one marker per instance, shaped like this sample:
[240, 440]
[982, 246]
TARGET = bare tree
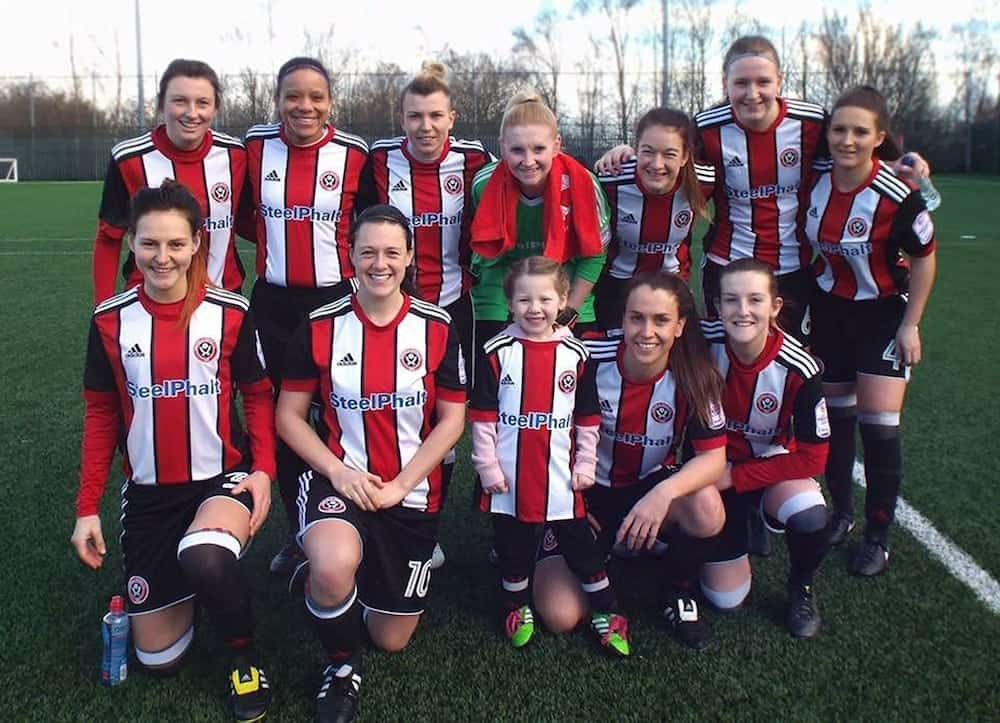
[616, 17]
[539, 47]
[695, 36]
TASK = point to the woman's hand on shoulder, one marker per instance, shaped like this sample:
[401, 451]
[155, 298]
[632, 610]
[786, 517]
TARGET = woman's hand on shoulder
[612, 161]
[88, 541]
[258, 484]
[361, 488]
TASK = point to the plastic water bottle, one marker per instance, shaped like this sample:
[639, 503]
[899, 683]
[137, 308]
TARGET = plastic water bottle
[932, 199]
[114, 631]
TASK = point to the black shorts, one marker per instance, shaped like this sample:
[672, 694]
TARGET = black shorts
[154, 519]
[396, 546]
[277, 313]
[609, 302]
[852, 337]
[463, 319]
[795, 288]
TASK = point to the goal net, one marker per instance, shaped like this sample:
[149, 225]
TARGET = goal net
[8, 170]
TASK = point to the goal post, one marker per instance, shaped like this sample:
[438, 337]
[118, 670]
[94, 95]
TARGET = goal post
[8, 170]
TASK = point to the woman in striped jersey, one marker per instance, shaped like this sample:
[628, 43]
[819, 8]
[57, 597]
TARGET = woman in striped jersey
[164, 361]
[777, 436]
[860, 217]
[210, 164]
[654, 202]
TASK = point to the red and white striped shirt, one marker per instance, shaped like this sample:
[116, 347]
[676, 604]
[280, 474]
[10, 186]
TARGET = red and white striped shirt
[650, 232]
[776, 415]
[379, 384]
[172, 389]
[642, 423]
[536, 393]
[760, 178]
[302, 199]
[214, 174]
[858, 235]
[436, 198]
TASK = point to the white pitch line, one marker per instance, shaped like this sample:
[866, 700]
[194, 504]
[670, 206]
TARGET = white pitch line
[958, 562]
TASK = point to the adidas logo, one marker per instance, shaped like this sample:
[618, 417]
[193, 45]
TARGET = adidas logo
[813, 212]
[606, 406]
[272, 176]
[735, 162]
[506, 381]
[627, 218]
[135, 352]
[347, 361]
[400, 186]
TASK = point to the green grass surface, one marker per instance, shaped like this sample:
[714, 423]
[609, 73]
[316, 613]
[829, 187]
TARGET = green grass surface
[915, 644]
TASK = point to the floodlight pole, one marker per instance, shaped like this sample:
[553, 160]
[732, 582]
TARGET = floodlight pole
[141, 110]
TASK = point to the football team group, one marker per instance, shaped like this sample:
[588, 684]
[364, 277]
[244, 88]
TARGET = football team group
[402, 284]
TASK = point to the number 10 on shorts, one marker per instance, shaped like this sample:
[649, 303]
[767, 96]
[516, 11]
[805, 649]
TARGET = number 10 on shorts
[420, 578]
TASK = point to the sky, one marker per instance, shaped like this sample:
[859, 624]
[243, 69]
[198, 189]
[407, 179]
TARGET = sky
[230, 35]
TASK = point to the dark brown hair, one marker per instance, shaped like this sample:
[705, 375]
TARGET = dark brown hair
[690, 362]
[392, 216]
[868, 98]
[536, 266]
[299, 63]
[679, 122]
[181, 67]
[756, 45]
[754, 266]
[172, 196]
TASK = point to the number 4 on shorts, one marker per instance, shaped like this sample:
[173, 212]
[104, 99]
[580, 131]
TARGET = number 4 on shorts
[889, 355]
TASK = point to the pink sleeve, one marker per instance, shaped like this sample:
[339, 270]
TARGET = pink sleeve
[586, 451]
[484, 453]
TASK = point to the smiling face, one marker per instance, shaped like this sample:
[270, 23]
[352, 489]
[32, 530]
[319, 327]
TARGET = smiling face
[651, 324]
[752, 83]
[748, 310]
[164, 245]
[427, 121]
[189, 106]
[380, 259]
[528, 151]
[535, 303]
[660, 155]
[853, 137]
[304, 106]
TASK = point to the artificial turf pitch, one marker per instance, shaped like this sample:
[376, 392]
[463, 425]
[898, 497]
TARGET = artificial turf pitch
[914, 644]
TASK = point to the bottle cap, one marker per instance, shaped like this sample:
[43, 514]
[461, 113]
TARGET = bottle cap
[908, 160]
[117, 605]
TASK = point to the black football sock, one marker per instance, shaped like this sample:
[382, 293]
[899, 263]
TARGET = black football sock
[840, 462]
[884, 474]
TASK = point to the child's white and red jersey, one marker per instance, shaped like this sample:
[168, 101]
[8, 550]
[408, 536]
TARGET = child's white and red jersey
[213, 172]
[301, 202]
[776, 416]
[379, 384]
[167, 392]
[858, 235]
[643, 424]
[536, 393]
[436, 198]
[760, 178]
[650, 232]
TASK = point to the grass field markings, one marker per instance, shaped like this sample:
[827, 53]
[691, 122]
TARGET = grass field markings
[46, 253]
[955, 560]
[43, 240]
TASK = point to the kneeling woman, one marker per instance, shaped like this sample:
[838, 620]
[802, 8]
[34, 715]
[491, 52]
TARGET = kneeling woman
[656, 387]
[388, 369]
[777, 441]
[163, 361]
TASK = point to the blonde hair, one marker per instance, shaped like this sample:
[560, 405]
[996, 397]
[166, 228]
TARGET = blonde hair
[431, 79]
[527, 108]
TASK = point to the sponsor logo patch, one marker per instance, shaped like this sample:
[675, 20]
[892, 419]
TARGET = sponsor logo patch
[206, 350]
[549, 541]
[822, 420]
[716, 417]
[331, 505]
[661, 412]
[138, 589]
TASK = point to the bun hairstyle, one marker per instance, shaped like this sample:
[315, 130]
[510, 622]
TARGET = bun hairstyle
[299, 63]
[536, 266]
[432, 78]
[750, 46]
[172, 196]
[183, 68]
[868, 98]
[527, 108]
[679, 122]
[690, 361]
